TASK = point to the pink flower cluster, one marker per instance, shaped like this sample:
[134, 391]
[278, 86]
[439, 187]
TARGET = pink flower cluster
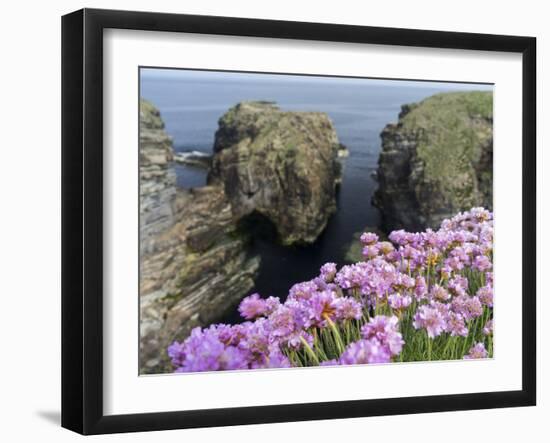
[439, 282]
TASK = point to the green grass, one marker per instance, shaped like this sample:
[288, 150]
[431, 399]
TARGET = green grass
[451, 129]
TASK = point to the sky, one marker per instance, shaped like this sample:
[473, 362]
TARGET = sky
[260, 77]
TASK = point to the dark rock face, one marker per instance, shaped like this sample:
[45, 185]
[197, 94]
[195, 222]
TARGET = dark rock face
[436, 161]
[281, 165]
[194, 264]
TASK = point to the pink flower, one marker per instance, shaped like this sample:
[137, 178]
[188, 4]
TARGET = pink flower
[456, 325]
[488, 328]
[439, 293]
[476, 351]
[430, 319]
[320, 307]
[365, 351]
[420, 288]
[328, 272]
[370, 251]
[386, 331]
[369, 238]
[348, 308]
[482, 263]
[399, 302]
[252, 306]
[485, 295]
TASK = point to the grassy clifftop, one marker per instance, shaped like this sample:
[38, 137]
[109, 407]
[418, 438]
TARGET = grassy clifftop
[437, 160]
[454, 129]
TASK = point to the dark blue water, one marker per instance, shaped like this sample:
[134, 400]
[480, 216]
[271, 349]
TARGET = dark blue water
[192, 102]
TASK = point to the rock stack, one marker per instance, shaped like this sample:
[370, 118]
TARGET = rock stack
[436, 161]
[281, 165]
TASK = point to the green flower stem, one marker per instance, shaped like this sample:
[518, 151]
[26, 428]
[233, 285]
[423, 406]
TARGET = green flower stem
[309, 350]
[337, 337]
[428, 276]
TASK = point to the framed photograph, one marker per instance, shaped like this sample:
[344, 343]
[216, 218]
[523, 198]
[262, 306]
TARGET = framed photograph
[269, 221]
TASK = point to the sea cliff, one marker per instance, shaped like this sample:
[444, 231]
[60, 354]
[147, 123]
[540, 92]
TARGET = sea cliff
[436, 160]
[194, 264]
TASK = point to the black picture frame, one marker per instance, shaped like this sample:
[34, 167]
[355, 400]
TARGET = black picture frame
[82, 220]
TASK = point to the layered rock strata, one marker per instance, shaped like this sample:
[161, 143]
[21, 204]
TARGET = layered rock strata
[194, 263]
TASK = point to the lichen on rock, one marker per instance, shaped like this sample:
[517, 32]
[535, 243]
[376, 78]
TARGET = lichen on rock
[281, 165]
[436, 161]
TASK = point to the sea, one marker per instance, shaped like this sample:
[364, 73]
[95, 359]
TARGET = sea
[191, 102]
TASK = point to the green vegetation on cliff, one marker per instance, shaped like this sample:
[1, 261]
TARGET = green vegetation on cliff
[454, 130]
[437, 160]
